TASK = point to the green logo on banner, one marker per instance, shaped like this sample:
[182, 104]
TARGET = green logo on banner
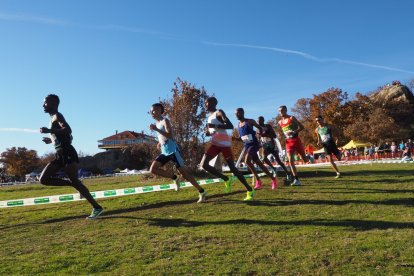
[129, 191]
[165, 187]
[15, 203]
[66, 198]
[109, 193]
[41, 200]
[93, 195]
[209, 181]
[147, 188]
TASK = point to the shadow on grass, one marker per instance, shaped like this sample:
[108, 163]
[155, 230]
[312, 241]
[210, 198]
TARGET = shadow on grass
[408, 202]
[359, 225]
[345, 190]
[326, 172]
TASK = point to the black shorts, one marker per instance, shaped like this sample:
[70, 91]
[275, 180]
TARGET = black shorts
[269, 148]
[174, 157]
[65, 156]
[331, 148]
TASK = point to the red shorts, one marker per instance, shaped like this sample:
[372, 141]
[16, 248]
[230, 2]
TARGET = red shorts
[294, 145]
[214, 150]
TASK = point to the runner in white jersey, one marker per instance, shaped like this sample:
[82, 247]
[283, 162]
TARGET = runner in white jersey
[170, 152]
[217, 126]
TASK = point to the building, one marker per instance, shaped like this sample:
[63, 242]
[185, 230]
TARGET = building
[125, 139]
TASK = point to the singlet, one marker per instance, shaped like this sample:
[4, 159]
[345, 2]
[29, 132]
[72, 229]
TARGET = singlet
[59, 140]
[326, 134]
[247, 134]
[219, 137]
[288, 128]
[168, 146]
[266, 134]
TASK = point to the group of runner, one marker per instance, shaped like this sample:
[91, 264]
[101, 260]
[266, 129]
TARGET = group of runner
[218, 124]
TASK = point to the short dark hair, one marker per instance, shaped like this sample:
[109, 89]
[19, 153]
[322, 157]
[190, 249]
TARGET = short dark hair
[283, 107]
[240, 109]
[160, 106]
[212, 100]
[261, 118]
[54, 98]
[319, 117]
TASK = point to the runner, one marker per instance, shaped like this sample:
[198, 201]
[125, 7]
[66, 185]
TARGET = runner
[66, 157]
[267, 139]
[170, 152]
[251, 147]
[291, 127]
[217, 125]
[324, 134]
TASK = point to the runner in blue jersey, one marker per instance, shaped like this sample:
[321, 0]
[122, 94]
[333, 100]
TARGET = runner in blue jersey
[170, 152]
[251, 146]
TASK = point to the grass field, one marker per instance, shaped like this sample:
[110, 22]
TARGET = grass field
[358, 225]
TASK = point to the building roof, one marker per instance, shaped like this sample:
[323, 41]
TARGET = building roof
[127, 135]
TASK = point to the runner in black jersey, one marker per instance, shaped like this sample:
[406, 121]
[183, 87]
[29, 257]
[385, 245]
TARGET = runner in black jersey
[66, 157]
[267, 138]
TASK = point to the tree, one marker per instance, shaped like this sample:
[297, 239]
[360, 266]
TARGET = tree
[19, 161]
[187, 115]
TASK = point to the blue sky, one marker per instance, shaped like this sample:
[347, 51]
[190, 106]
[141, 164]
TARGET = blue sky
[110, 60]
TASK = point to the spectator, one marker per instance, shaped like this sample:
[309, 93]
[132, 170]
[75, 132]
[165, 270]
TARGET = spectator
[394, 150]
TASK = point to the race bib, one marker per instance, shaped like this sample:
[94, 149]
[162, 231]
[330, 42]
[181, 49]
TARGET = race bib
[325, 138]
[266, 139]
[247, 138]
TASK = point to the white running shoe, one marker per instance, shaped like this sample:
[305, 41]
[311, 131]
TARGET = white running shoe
[296, 182]
[202, 197]
[177, 182]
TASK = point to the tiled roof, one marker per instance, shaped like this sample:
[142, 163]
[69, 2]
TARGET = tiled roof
[126, 135]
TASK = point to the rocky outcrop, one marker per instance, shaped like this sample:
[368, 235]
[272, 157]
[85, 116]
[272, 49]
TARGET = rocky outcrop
[395, 94]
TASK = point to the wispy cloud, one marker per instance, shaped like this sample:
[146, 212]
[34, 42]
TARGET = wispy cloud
[19, 130]
[21, 17]
[309, 56]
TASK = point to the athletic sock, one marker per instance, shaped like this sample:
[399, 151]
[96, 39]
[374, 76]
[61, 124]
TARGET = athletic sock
[174, 177]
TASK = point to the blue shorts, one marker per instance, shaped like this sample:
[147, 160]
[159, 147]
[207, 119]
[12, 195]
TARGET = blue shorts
[252, 150]
[174, 157]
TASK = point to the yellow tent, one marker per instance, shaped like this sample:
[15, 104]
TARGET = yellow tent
[352, 144]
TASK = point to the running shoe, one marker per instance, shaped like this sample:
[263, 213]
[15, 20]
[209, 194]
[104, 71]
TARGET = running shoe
[250, 195]
[227, 185]
[95, 213]
[289, 178]
[177, 182]
[258, 185]
[338, 175]
[274, 184]
[202, 197]
[296, 182]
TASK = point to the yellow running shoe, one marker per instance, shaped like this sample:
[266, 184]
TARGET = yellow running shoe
[227, 184]
[250, 195]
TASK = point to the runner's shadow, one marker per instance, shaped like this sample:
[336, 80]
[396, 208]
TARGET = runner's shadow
[358, 225]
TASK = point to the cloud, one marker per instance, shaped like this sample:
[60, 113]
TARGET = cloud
[19, 130]
[309, 56]
[21, 17]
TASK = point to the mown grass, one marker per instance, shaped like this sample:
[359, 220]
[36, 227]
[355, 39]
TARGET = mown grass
[360, 224]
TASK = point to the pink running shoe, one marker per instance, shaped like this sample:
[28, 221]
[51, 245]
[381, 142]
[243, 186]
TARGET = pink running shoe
[258, 185]
[274, 184]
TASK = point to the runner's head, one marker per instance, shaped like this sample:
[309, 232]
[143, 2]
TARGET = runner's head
[240, 113]
[282, 110]
[260, 120]
[211, 104]
[157, 110]
[319, 120]
[51, 103]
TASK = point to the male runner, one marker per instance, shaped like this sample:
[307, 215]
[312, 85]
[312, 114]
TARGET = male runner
[66, 157]
[170, 152]
[217, 124]
[267, 138]
[251, 147]
[291, 127]
[324, 134]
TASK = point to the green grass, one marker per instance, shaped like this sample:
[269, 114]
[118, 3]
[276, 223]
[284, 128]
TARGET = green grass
[360, 224]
